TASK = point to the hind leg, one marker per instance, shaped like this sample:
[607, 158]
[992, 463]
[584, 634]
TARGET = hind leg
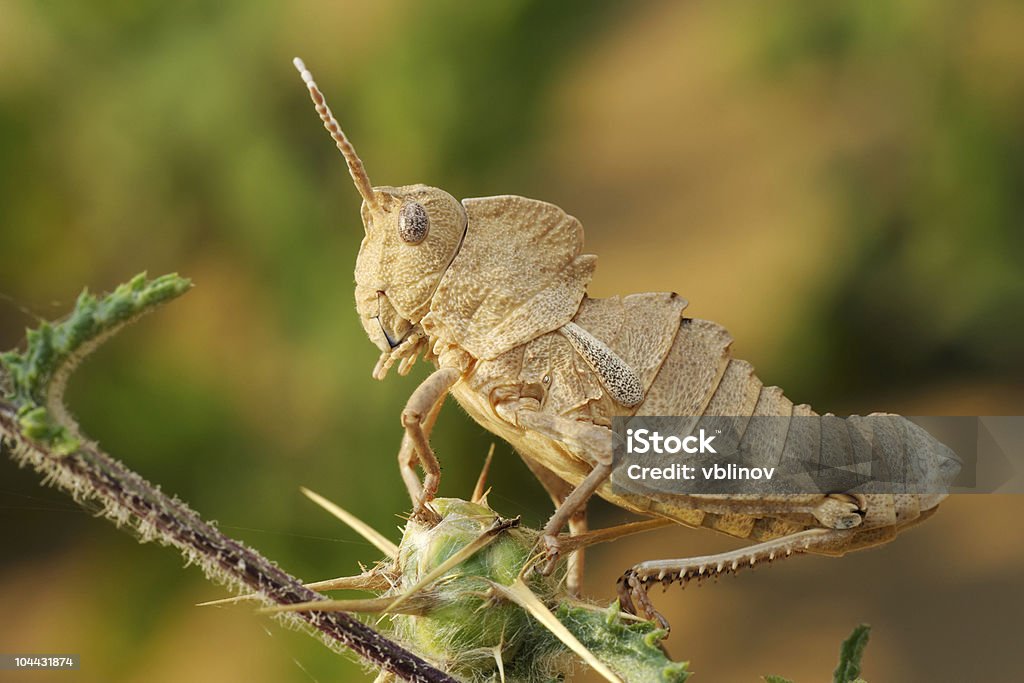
[635, 582]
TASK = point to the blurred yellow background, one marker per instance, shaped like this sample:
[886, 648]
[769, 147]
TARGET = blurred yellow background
[840, 184]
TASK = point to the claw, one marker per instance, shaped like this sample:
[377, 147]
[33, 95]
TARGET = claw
[624, 589]
[633, 594]
[425, 514]
[552, 551]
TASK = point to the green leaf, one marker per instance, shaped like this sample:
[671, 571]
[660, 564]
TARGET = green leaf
[631, 648]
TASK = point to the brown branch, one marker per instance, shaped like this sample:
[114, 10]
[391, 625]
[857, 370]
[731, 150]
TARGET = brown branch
[89, 474]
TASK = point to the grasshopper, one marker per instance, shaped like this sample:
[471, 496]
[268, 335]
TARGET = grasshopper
[492, 291]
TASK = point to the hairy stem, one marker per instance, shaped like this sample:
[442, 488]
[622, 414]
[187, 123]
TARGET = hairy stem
[89, 474]
[36, 431]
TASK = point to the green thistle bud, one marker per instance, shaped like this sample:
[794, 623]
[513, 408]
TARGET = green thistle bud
[467, 627]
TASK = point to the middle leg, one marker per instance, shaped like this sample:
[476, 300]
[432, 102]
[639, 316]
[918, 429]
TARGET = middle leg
[593, 444]
[559, 489]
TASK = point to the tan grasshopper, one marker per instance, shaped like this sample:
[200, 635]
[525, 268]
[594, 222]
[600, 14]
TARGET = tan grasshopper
[492, 291]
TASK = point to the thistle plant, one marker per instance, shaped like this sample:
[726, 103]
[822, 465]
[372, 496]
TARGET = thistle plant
[460, 592]
[462, 601]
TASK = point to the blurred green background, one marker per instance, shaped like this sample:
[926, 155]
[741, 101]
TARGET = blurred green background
[840, 184]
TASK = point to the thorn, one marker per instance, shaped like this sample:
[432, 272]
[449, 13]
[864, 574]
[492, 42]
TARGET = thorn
[382, 604]
[359, 526]
[589, 538]
[520, 594]
[479, 491]
[498, 659]
[368, 580]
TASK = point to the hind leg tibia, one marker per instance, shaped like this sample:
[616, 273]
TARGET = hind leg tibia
[635, 582]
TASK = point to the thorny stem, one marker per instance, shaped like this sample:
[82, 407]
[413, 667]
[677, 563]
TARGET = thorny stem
[35, 430]
[89, 474]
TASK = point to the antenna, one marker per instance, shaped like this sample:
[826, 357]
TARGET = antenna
[355, 164]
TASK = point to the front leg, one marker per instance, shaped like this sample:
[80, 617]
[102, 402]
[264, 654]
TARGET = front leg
[594, 444]
[418, 418]
[407, 458]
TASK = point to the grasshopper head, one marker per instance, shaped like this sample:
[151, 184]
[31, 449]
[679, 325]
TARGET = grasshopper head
[412, 236]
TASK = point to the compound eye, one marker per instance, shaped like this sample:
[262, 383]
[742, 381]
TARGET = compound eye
[413, 223]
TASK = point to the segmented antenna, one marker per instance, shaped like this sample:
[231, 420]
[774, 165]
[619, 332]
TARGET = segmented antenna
[355, 164]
